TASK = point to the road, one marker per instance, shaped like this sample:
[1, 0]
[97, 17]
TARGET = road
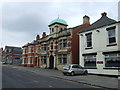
[16, 78]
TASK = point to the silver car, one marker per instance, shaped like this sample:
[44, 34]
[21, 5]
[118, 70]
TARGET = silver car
[73, 69]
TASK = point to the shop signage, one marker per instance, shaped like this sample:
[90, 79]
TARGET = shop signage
[99, 62]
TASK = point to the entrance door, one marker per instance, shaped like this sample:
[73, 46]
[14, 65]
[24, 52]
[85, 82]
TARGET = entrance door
[51, 62]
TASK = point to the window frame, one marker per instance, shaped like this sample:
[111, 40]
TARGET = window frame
[90, 60]
[113, 36]
[112, 59]
[88, 40]
[62, 58]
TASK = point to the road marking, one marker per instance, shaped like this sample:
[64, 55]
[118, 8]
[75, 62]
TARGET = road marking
[50, 86]
[36, 81]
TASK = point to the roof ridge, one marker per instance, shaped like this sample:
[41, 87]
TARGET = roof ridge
[103, 21]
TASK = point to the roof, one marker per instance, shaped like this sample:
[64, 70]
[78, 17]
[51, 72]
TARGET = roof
[60, 21]
[103, 21]
[14, 50]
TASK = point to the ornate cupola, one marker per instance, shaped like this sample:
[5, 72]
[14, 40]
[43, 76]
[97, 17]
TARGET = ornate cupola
[57, 25]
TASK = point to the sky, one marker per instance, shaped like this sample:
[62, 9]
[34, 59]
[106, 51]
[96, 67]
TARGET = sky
[20, 22]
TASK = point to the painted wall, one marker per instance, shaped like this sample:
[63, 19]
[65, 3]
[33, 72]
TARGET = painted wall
[99, 44]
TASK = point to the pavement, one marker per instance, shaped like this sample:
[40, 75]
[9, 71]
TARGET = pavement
[94, 80]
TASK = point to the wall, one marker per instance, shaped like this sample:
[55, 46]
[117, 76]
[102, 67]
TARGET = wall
[99, 44]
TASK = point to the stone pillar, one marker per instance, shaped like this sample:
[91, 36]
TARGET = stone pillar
[23, 59]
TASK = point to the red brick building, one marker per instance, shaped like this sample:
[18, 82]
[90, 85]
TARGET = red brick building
[57, 49]
[75, 39]
[12, 55]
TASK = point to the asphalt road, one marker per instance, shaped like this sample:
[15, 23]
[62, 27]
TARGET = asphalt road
[15, 78]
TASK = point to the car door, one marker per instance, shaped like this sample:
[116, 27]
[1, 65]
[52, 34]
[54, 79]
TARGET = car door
[80, 70]
[75, 69]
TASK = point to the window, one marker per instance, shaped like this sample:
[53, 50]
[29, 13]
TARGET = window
[63, 43]
[44, 59]
[60, 42]
[90, 61]
[62, 58]
[111, 35]
[51, 45]
[75, 66]
[26, 51]
[44, 47]
[52, 29]
[61, 29]
[32, 49]
[89, 39]
[112, 60]
[38, 49]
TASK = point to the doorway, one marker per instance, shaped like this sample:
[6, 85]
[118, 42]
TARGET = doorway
[51, 66]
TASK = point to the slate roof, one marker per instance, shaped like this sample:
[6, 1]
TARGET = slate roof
[14, 50]
[103, 21]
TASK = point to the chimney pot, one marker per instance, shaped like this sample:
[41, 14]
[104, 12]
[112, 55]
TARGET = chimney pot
[37, 37]
[86, 20]
[104, 14]
[44, 34]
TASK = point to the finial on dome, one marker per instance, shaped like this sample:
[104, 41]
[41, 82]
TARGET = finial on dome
[58, 16]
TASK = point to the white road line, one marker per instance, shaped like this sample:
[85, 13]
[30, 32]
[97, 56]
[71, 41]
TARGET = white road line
[50, 86]
[36, 81]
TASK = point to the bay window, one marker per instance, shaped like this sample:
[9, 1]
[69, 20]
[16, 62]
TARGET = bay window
[112, 60]
[89, 61]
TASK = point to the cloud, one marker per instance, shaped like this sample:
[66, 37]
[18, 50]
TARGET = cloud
[21, 21]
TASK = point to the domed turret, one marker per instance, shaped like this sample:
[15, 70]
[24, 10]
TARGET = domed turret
[58, 21]
[57, 25]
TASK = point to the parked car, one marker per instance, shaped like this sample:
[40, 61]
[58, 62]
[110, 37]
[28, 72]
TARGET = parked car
[73, 69]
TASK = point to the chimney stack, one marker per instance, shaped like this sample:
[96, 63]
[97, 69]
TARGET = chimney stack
[104, 14]
[86, 20]
[37, 37]
[44, 34]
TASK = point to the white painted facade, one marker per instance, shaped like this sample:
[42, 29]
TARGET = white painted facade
[99, 45]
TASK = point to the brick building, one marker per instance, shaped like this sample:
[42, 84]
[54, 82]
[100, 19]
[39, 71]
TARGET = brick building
[58, 48]
[12, 55]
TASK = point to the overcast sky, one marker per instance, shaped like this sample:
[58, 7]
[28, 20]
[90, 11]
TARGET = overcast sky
[22, 21]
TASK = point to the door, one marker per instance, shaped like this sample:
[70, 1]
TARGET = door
[80, 70]
[51, 66]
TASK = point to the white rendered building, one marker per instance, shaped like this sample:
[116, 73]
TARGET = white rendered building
[100, 46]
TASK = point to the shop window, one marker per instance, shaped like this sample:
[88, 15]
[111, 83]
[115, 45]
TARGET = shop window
[112, 60]
[90, 61]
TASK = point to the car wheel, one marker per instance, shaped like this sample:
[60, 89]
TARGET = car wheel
[72, 73]
[85, 72]
[64, 73]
